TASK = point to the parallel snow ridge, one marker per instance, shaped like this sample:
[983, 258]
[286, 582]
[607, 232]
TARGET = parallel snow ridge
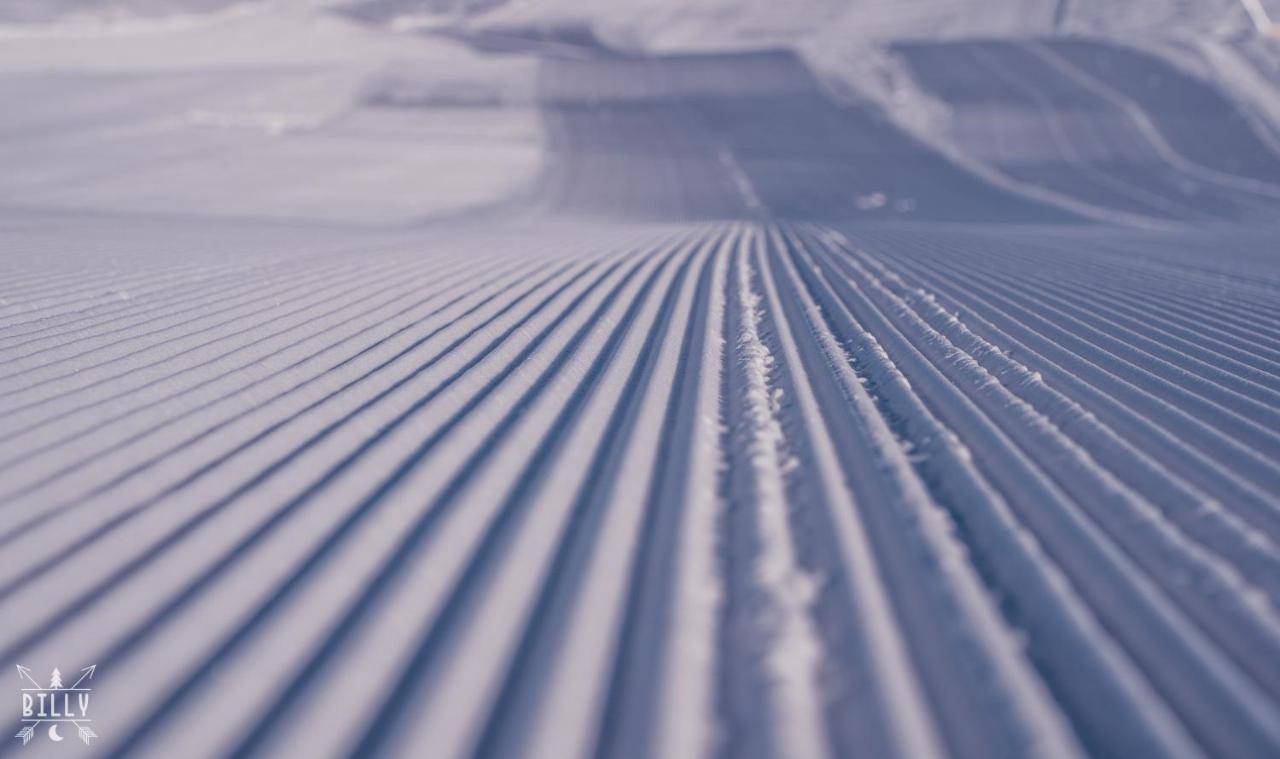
[737, 489]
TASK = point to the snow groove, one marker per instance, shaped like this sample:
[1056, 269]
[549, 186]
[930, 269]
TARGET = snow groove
[743, 488]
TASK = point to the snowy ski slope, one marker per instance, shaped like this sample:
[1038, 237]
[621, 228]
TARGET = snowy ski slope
[759, 426]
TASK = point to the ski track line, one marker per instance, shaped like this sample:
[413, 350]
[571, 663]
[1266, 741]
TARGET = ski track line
[986, 647]
[1245, 458]
[294, 418]
[157, 379]
[230, 385]
[1199, 333]
[944, 459]
[674, 487]
[114, 288]
[180, 346]
[164, 383]
[1168, 381]
[68, 293]
[156, 289]
[159, 383]
[374, 554]
[157, 301]
[178, 600]
[1123, 515]
[773, 639]
[1155, 444]
[1253, 553]
[564, 646]
[898, 697]
[1166, 351]
[1186, 331]
[1197, 310]
[596, 521]
[127, 324]
[582, 350]
[195, 305]
[101, 520]
[1220, 673]
[1125, 407]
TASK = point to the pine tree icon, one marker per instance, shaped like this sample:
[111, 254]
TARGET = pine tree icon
[55, 680]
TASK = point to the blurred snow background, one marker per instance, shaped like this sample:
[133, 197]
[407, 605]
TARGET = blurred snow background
[354, 110]
[266, 109]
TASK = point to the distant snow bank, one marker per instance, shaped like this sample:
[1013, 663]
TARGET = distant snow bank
[736, 24]
[933, 19]
[664, 24]
[49, 11]
[258, 110]
[1213, 40]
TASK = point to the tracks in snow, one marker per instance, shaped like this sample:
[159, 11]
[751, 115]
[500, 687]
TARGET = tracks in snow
[735, 489]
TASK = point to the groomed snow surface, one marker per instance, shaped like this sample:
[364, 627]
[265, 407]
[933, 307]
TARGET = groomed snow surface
[916, 398]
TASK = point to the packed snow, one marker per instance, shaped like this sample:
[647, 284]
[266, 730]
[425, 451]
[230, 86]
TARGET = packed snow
[649, 379]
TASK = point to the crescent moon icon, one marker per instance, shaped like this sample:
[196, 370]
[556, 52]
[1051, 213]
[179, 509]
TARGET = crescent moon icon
[53, 734]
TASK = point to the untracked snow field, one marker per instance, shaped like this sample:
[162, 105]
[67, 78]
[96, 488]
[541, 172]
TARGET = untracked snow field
[540, 379]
